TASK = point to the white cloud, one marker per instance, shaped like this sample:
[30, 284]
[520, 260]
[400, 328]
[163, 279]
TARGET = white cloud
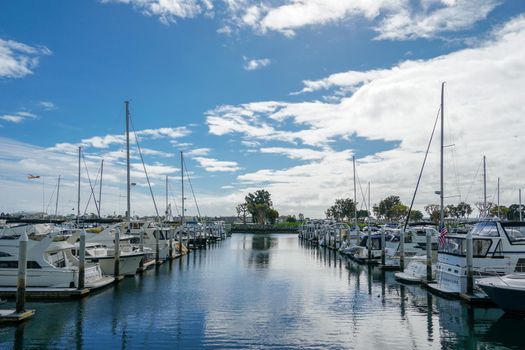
[198, 152]
[255, 64]
[214, 165]
[296, 153]
[391, 19]
[18, 60]
[17, 117]
[169, 10]
[483, 109]
[47, 105]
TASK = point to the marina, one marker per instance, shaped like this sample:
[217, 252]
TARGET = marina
[264, 291]
[262, 174]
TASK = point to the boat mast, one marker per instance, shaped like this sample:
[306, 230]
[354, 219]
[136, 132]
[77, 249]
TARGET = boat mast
[355, 195]
[182, 186]
[100, 189]
[58, 194]
[484, 187]
[166, 214]
[521, 214]
[441, 193]
[78, 193]
[498, 199]
[128, 190]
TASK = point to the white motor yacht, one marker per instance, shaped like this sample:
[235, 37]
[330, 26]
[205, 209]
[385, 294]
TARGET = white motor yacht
[50, 264]
[498, 249]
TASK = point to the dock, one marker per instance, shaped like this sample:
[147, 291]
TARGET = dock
[11, 316]
[45, 293]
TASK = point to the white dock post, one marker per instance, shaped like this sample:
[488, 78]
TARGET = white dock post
[82, 260]
[383, 243]
[429, 255]
[116, 271]
[402, 250]
[470, 275]
[22, 274]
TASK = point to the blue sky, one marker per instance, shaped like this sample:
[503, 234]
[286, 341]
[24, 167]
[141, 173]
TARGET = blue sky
[273, 94]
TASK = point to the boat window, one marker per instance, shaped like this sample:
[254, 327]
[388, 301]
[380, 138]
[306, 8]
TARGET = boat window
[486, 229]
[376, 243]
[458, 246]
[4, 254]
[14, 264]
[515, 233]
[520, 265]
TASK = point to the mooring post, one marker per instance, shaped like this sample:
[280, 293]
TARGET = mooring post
[171, 243]
[82, 260]
[157, 248]
[116, 271]
[383, 253]
[22, 273]
[141, 243]
[429, 255]
[470, 275]
[402, 250]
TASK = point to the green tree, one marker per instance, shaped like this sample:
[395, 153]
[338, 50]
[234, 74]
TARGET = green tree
[399, 211]
[503, 211]
[342, 209]
[272, 215]
[291, 219]
[362, 214]
[514, 212]
[242, 210]
[433, 210]
[387, 209]
[416, 215]
[464, 209]
[258, 204]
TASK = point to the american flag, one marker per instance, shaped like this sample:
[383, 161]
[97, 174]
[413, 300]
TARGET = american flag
[442, 234]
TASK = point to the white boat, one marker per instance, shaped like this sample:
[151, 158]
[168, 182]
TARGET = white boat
[50, 264]
[498, 249]
[415, 271]
[148, 231]
[508, 292]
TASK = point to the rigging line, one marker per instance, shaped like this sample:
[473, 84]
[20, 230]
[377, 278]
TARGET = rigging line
[172, 194]
[363, 194]
[91, 186]
[51, 197]
[144, 166]
[191, 186]
[421, 171]
[472, 183]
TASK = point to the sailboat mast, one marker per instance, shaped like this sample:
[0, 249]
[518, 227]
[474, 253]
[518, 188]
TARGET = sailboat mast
[78, 193]
[128, 190]
[484, 186]
[100, 188]
[441, 187]
[58, 194]
[166, 215]
[182, 186]
[355, 195]
[498, 199]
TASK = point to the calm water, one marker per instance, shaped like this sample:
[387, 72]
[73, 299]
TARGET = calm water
[264, 291]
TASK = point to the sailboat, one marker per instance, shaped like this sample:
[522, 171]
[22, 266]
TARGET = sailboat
[420, 268]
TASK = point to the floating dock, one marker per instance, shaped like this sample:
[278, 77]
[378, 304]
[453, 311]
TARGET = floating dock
[11, 316]
[45, 293]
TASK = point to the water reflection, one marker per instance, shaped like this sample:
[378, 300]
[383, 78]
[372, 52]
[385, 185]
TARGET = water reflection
[264, 291]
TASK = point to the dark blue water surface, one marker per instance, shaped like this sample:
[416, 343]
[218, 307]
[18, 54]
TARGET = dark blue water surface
[264, 291]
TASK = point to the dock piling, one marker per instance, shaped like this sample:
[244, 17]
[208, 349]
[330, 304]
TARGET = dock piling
[82, 260]
[22, 274]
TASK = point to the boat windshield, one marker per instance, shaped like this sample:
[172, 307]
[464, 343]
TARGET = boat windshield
[458, 246]
[516, 233]
[485, 229]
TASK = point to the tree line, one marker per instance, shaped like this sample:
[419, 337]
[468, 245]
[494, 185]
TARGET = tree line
[392, 209]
